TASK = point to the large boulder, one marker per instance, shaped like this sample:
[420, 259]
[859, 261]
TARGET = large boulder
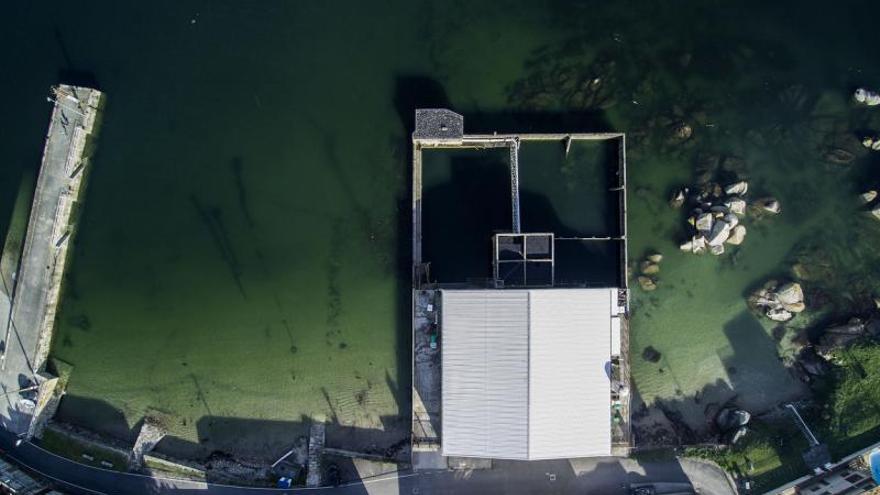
[875, 212]
[790, 293]
[866, 97]
[797, 307]
[738, 188]
[720, 232]
[812, 363]
[842, 335]
[704, 223]
[736, 205]
[768, 205]
[698, 245]
[655, 258]
[732, 424]
[737, 235]
[678, 198]
[868, 196]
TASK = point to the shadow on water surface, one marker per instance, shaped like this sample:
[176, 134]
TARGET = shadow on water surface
[220, 438]
[474, 202]
[755, 379]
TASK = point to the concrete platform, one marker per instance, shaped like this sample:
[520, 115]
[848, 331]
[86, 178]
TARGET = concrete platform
[426, 403]
[29, 306]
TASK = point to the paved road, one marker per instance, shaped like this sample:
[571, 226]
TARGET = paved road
[594, 476]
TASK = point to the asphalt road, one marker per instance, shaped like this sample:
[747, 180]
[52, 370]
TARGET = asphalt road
[587, 476]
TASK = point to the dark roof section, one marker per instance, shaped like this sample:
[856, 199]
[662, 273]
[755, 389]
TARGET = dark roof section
[438, 123]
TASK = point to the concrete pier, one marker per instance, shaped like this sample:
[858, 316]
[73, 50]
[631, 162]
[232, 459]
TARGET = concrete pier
[29, 306]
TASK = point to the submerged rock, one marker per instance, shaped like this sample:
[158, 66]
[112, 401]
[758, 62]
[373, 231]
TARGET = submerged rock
[768, 205]
[655, 258]
[839, 156]
[647, 283]
[681, 132]
[649, 268]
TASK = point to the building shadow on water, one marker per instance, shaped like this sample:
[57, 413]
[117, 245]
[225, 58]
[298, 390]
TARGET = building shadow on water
[754, 379]
[257, 443]
[413, 91]
[460, 215]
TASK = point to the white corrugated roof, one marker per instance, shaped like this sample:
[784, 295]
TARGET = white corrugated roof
[525, 373]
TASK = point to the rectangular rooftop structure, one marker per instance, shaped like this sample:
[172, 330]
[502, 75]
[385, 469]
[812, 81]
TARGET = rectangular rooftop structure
[526, 373]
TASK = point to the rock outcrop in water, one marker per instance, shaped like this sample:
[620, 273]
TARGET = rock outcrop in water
[715, 219]
[732, 423]
[869, 198]
[871, 142]
[866, 97]
[649, 268]
[778, 302]
[854, 330]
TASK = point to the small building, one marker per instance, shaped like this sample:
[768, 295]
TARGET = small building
[523, 354]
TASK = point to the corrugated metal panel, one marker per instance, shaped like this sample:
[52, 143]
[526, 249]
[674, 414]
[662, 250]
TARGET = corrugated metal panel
[569, 383]
[485, 373]
[525, 373]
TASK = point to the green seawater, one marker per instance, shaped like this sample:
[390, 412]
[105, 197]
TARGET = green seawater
[242, 260]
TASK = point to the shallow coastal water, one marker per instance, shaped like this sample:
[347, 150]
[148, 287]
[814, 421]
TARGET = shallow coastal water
[243, 255]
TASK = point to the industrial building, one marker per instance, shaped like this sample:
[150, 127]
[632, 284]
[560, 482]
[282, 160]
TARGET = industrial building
[520, 336]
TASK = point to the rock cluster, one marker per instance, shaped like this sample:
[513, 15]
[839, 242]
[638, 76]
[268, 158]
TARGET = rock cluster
[648, 269]
[867, 97]
[870, 198]
[843, 335]
[871, 142]
[779, 302]
[715, 219]
[733, 424]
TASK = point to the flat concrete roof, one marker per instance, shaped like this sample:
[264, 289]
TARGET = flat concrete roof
[526, 373]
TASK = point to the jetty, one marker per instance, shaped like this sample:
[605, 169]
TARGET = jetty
[34, 270]
[526, 357]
